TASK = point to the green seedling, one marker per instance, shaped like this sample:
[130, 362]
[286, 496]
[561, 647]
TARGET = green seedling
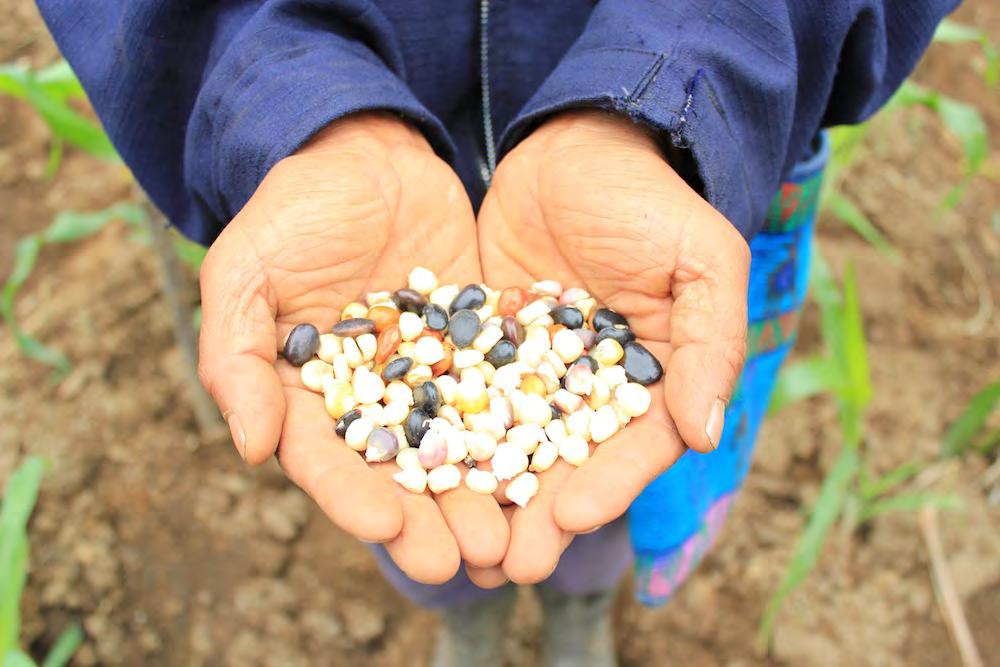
[970, 432]
[20, 495]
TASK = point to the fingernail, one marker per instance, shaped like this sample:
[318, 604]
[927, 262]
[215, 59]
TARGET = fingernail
[716, 420]
[236, 430]
[592, 530]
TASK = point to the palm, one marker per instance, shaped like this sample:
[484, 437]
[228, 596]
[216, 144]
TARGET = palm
[324, 228]
[612, 219]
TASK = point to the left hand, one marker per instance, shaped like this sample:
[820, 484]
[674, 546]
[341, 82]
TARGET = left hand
[588, 199]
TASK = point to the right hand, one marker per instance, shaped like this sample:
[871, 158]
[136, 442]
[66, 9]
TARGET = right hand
[351, 212]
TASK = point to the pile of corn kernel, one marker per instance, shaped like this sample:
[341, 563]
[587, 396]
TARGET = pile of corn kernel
[501, 383]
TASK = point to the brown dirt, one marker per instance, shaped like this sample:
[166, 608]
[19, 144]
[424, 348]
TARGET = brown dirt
[172, 553]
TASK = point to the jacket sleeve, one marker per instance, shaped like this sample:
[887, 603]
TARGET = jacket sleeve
[201, 99]
[745, 86]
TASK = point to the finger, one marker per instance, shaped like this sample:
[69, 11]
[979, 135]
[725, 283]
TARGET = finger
[708, 325]
[356, 498]
[486, 577]
[602, 489]
[237, 350]
[536, 541]
[425, 550]
[478, 525]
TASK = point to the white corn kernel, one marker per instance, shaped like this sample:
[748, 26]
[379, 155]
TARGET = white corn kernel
[473, 375]
[556, 431]
[549, 377]
[534, 410]
[567, 345]
[419, 374]
[531, 352]
[471, 397]
[572, 295]
[394, 413]
[544, 456]
[428, 350]
[567, 401]
[608, 352]
[368, 345]
[481, 446]
[501, 408]
[507, 378]
[600, 393]
[373, 411]
[448, 387]
[466, 358]
[632, 398]
[357, 433]
[575, 450]
[509, 461]
[487, 338]
[398, 391]
[368, 386]
[443, 478]
[586, 307]
[406, 349]
[379, 299]
[579, 379]
[623, 417]
[457, 451]
[522, 489]
[487, 369]
[526, 436]
[532, 312]
[407, 458]
[557, 364]
[400, 434]
[352, 353]
[603, 424]
[451, 414]
[539, 334]
[313, 372]
[354, 309]
[339, 399]
[329, 347]
[481, 481]
[410, 325]
[412, 479]
[547, 288]
[578, 423]
[422, 280]
[486, 311]
[441, 425]
[613, 375]
[444, 295]
[485, 422]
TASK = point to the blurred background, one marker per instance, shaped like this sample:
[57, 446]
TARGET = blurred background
[868, 532]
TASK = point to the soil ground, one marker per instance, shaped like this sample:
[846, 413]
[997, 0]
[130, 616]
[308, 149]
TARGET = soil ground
[172, 553]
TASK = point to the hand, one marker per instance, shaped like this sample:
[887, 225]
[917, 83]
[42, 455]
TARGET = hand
[589, 200]
[353, 211]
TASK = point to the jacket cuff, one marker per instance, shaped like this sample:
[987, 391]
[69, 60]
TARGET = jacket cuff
[256, 113]
[663, 95]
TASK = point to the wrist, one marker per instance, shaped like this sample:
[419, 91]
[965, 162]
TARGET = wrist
[369, 131]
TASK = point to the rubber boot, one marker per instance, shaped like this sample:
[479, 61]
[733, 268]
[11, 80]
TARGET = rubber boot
[576, 631]
[473, 634]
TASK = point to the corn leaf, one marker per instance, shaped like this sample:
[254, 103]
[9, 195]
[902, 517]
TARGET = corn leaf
[870, 489]
[963, 432]
[65, 647]
[19, 498]
[910, 502]
[17, 659]
[824, 514]
[846, 211]
[803, 379]
[855, 347]
[71, 226]
[191, 253]
[950, 32]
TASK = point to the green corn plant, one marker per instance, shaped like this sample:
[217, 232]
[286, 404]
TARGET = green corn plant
[53, 92]
[962, 120]
[970, 432]
[67, 227]
[19, 498]
[849, 493]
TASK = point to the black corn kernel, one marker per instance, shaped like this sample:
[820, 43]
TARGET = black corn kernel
[640, 364]
[346, 420]
[301, 344]
[463, 327]
[435, 317]
[353, 327]
[568, 316]
[470, 298]
[605, 317]
[397, 368]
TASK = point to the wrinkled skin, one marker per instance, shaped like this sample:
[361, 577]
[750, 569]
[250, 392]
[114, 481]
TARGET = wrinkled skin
[603, 210]
[351, 212]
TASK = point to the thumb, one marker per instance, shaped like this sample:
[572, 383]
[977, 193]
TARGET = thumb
[708, 324]
[238, 349]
